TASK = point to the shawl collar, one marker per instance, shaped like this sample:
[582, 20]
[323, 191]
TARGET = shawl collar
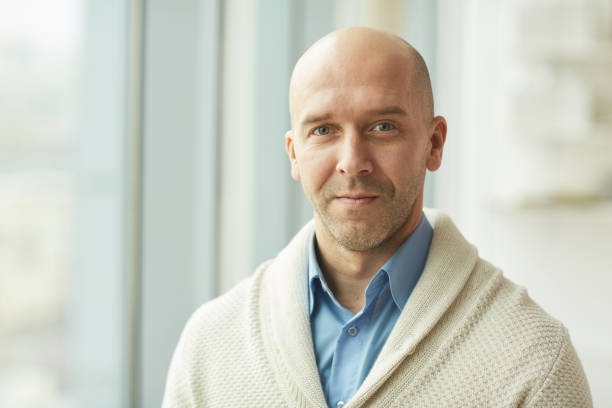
[449, 264]
[284, 299]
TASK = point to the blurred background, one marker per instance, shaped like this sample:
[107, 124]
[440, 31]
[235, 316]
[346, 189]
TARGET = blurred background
[142, 168]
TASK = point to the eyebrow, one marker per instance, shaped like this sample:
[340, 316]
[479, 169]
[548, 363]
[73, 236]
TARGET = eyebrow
[389, 110]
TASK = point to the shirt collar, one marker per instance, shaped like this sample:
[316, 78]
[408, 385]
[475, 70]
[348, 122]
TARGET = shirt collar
[403, 268]
[314, 273]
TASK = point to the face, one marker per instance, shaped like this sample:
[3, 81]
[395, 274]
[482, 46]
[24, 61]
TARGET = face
[360, 147]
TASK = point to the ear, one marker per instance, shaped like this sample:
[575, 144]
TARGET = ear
[290, 148]
[437, 137]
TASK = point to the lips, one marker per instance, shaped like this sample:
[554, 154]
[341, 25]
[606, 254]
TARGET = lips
[356, 200]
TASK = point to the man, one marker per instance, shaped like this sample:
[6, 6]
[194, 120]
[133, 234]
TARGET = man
[374, 303]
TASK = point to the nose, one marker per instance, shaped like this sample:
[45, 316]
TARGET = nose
[354, 156]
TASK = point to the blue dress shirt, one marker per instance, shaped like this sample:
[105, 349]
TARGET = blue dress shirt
[346, 344]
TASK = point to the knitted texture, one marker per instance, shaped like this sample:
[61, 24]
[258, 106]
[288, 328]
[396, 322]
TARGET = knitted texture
[467, 337]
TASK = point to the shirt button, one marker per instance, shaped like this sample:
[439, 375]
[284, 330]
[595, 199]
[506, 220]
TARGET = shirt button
[352, 331]
[340, 404]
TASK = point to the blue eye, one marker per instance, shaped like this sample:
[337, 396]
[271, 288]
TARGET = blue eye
[384, 127]
[322, 131]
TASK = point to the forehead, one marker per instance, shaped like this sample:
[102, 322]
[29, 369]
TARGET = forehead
[333, 83]
[349, 102]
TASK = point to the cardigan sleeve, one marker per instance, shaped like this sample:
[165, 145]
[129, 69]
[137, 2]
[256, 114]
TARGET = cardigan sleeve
[565, 385]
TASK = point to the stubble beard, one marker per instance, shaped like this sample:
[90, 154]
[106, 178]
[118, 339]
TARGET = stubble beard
[363, 233]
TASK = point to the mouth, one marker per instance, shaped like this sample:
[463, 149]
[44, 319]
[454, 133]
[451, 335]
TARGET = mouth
[356, 200]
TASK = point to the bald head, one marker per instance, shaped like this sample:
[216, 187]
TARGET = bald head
[357, 56]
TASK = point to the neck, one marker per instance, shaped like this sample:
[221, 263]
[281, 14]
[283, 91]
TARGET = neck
[348, 272]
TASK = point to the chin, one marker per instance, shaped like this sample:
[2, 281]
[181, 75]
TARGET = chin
[358, 237]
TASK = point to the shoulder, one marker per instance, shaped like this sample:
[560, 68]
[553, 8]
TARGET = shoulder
[509, 313]
[215, 348]
[526, 348]
[228, 312]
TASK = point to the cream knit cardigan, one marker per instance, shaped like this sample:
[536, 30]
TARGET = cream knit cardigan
[467, 337]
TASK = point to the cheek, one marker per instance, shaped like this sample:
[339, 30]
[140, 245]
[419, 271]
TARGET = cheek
[316, 167]
[403, 167]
